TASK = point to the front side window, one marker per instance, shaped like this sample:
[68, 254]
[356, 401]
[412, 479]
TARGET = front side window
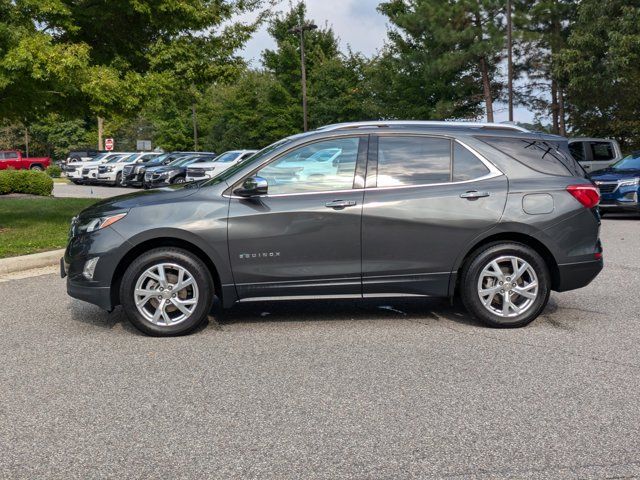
[413, 160]
[601, 151]
[466, 166]
[322, 166]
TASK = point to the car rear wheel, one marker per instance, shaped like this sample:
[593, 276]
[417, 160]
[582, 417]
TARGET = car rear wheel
[505, 284]
[167, 292]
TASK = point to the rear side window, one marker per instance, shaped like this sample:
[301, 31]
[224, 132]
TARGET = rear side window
[577, 151]
[466, 166]
[413, 160]
[540, 155]
[602, 151]
[10, 155]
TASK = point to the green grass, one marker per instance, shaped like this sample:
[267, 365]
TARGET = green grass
[61, 180]
[31, 225]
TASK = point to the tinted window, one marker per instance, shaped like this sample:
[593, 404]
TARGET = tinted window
[321, 166]
[602, 151]
[413, 161]
[466, 166]
[540, 155]
[10, 155]
[577, 151]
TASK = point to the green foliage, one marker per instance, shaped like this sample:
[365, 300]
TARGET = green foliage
[25, 181]
[432, 66]
[53, 171]
[602, 69]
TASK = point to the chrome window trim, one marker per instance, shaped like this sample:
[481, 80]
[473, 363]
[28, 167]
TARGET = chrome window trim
[494, 172]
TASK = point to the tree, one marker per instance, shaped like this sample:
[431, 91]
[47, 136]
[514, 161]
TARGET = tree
[252, 113]
[543, 27]
[601, 68]
[442, 58]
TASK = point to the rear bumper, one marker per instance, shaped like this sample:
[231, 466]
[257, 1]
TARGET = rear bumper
[578, 275]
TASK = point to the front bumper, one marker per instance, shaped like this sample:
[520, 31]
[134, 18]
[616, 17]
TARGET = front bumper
[109, 246]
[156, 182]
[106, 178]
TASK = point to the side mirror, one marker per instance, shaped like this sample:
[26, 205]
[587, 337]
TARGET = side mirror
[252, 187]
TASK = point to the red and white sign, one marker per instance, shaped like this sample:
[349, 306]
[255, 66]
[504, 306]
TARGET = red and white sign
[108, 144]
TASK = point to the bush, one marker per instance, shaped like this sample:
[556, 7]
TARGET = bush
[54, 171]
[25, 181]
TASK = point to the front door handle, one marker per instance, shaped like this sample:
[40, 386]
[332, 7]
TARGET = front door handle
[340, 204]
[473, 194]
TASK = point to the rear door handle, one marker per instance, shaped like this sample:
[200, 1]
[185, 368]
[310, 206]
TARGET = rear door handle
[474, 194]
[339, 204]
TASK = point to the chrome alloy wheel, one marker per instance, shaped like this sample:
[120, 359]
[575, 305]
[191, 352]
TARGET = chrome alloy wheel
[508, 286]
[166, 294]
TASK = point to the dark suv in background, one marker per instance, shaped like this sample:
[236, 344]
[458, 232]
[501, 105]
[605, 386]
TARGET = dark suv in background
[494, 214]
[133, 175]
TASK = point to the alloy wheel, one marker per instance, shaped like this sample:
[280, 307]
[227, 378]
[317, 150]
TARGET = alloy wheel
[508, 286]
[166, 294]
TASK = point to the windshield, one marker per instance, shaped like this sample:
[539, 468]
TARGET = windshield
[179, 162]
[160, 159]
[631, 162]
[115, 158]
[227, 157]
[129, 158]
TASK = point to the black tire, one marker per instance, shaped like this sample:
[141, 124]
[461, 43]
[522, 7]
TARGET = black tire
[196, 269]
[472, 270]
[178, 180]
[37, 168]
[76, 182]
[118, 180]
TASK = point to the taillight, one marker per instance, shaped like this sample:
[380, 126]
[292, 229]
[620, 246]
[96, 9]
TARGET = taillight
[587, 195]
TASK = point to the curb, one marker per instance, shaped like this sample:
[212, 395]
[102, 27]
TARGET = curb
[29, 262]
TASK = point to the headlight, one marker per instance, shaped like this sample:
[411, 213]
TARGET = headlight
[109, 169]
[629, 183]
[98, 223]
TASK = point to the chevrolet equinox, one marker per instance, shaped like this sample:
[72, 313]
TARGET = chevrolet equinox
[493, 214]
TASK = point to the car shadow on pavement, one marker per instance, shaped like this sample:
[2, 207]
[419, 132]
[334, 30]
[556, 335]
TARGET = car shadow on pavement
[427, 311]
[424, 310]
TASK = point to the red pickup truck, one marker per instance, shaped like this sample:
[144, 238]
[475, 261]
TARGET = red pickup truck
[14, 159]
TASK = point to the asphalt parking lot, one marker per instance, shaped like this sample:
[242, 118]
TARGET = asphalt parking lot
[327, 390]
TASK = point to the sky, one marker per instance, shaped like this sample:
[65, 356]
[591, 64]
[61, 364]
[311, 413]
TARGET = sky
[358, 25]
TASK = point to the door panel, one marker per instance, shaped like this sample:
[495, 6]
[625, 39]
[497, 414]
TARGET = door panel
[295, 245]
[412, 235]
[304, 237]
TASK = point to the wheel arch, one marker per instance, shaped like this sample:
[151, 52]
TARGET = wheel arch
[152, 243]
[518, 237]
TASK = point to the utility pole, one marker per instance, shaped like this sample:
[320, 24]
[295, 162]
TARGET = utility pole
[100, 130]
[300, 29]
[510, 58]
[194, 120]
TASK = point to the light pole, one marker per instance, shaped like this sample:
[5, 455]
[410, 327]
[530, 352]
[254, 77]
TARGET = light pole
[510, 58]
[300, 29]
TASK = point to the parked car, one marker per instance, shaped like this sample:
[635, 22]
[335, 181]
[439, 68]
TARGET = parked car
[14, 159]
[217, 165]
[175, 172]
[82, 155]
[496, 215]
[74, 170]
[133, 175]
[90, 169]
[620, 185]
[595, 154]
[111, 172]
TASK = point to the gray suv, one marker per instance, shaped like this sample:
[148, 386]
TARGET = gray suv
[493, 214]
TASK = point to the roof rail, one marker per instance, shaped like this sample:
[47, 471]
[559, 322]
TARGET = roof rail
[421, 123]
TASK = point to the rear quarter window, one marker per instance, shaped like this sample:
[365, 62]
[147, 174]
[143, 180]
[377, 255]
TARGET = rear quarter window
[544, 156]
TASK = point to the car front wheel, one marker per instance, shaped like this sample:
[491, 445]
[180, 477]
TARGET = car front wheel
[37, 168]
[505, 284]
[167, 292]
